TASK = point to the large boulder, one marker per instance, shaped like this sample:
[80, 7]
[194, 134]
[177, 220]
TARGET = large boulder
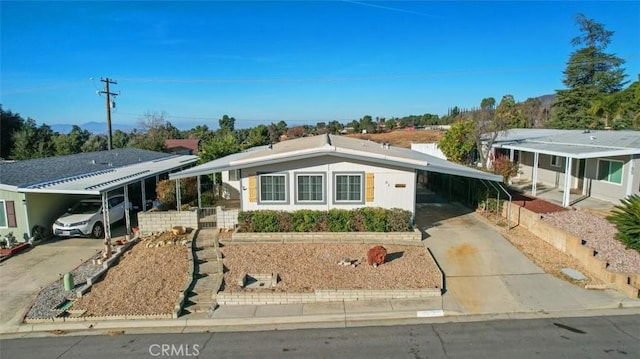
[376, 255]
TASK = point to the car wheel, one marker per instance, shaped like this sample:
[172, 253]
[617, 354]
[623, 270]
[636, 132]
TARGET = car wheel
[97, 231]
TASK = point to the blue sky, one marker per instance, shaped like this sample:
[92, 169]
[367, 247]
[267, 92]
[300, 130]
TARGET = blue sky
[297, 61]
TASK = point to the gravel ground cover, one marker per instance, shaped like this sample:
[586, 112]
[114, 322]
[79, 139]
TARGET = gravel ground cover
[599, 235]
[146, 281]
[54, 295]
[547, 257]
[304, 267]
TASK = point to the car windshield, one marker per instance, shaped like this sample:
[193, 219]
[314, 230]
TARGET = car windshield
[85, 208]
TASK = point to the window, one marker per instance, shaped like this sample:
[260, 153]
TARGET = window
[273, 188]
[7, 214]
[610, 171]
[555, 161]
[348, 187]
[3, 214]
[310, 188]
[234, 175]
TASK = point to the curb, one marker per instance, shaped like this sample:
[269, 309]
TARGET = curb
[341, 320]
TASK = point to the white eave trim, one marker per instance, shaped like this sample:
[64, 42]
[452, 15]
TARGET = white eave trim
[611, 153]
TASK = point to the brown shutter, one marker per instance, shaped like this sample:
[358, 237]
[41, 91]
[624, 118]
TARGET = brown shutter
[369, 188]
[11, 214]
[253, 189]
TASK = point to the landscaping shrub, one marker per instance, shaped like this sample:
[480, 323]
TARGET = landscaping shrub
[339, 220]
[398, 220]
[626, 217]
[265, 221]
[368, 219]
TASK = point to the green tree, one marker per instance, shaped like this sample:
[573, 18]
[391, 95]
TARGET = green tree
[95, 143]
[390, 124]
[590, 72]
[121, 139]
[10, 123]
[509, 113]
[155, 131]
[67, 144]
[458, 142]
[23, 141]
[259, 136]
[227, 123]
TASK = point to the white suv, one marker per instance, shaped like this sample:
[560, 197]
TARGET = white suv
[85, 218]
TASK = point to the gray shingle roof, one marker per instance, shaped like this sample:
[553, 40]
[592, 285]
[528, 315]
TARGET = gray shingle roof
[21, 173]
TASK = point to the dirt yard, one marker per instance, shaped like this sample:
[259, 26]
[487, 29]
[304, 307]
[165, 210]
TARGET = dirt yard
[304, 267]
[402, 138]
[146, 281]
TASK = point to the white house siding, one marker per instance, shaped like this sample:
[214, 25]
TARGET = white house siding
[547, 174]
[388, 184]
[608, 191]
[21, 231]
[230, 189]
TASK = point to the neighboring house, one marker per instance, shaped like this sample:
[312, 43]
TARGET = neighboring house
[327, 171]
[601, 164]
[182, 146]
[33, 193]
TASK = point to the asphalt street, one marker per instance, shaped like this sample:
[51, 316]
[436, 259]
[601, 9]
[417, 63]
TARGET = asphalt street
[586, 337]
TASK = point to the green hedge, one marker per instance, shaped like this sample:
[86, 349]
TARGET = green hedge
[367, 219]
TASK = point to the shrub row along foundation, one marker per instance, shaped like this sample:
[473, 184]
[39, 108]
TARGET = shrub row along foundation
[627, 283]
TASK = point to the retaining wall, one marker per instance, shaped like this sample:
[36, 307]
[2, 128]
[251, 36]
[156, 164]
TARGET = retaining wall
[162, 221]
[226, 218]
[627, 283]
[322, 295]
[414, 237]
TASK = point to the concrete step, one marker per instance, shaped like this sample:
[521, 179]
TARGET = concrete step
[199, 307]
[210, 267]
[207, 254]
[204, 297]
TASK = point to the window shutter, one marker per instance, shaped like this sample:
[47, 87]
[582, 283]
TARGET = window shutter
[369, 188]
[11, 215]
[253, 189]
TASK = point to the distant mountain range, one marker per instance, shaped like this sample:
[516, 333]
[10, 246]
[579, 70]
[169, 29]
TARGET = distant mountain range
[94, 127]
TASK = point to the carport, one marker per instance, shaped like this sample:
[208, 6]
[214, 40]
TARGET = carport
[456, 182]
[59, 193]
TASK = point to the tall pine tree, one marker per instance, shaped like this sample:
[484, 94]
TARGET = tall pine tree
[590, 72]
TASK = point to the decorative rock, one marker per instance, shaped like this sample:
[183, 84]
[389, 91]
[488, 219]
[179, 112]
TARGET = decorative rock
[376, 255]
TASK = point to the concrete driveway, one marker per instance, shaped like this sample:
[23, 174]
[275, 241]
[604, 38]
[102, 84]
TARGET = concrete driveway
[22, 276]
[484, 273]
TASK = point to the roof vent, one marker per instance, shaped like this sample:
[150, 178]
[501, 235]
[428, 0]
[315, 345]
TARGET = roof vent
[586, 130]
[592, 137]
[93, 162]
[270, 146]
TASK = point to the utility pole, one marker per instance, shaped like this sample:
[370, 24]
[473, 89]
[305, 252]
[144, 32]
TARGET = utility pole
[110, 104]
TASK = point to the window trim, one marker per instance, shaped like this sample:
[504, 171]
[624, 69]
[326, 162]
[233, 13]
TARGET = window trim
[3, 203]
[237, 175]
[600, 160]
[557, 158]
[260, 175]
[335, 187]
[297, 199]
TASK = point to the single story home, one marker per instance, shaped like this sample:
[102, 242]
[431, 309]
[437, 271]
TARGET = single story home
[327, 171]
[601, 164]
[34, 193]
